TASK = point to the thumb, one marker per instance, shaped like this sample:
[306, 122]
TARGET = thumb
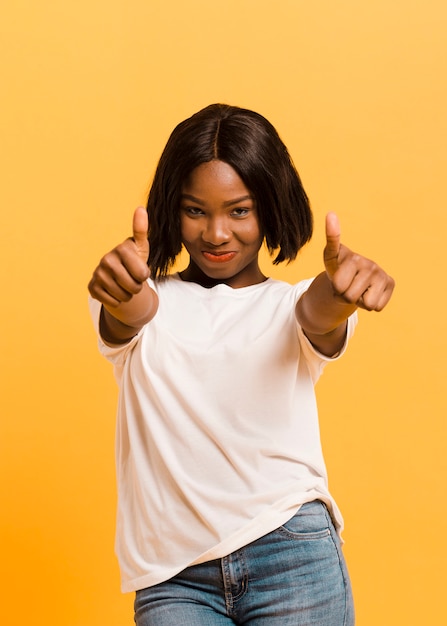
[140, 229]
[332, 249]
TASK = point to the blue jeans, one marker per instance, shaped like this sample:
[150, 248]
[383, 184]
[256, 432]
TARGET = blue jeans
[294, 576]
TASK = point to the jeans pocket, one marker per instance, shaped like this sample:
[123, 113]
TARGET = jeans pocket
[309, 523]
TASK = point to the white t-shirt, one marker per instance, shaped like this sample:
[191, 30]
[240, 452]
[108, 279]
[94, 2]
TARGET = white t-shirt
[217, 430]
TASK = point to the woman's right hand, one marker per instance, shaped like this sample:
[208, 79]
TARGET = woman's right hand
[120, 284]
[123, 271]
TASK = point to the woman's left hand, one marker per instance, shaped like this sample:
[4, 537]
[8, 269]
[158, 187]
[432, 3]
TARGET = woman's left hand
[355, 279]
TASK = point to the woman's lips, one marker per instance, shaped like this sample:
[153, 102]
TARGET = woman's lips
[218, 257]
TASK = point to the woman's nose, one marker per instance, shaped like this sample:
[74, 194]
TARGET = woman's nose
[217, 231]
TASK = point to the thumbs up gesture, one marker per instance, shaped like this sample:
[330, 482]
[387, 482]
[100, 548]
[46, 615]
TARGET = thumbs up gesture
[140, 227]
[123, 271]
[355, 279]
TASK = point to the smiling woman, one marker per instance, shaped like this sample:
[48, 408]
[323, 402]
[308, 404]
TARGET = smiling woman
[217, 415]
[220, 228]
[248, 143]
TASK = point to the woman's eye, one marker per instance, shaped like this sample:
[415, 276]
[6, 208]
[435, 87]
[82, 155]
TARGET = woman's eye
[240, 212]
[192, 210]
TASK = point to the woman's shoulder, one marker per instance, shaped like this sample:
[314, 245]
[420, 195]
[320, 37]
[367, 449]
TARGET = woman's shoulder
[295, 290]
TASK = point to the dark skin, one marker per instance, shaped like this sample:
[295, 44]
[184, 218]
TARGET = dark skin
[349, 280]
[119, 283]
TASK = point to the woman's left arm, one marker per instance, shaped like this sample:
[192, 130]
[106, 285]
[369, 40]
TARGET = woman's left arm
[350, 281]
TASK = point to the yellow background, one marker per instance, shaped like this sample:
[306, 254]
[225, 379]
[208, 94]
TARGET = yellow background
[90, 91]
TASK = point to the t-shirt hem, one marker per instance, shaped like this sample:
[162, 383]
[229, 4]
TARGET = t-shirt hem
[261, 526]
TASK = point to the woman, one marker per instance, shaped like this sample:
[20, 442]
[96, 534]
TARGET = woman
[224, 513]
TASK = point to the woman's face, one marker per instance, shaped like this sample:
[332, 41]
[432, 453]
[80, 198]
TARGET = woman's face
[220, 228]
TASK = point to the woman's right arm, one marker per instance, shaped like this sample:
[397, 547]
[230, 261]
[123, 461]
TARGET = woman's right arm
[120, 284]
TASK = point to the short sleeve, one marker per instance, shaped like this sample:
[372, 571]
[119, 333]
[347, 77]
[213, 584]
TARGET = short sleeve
[316, 360]
[115, 354]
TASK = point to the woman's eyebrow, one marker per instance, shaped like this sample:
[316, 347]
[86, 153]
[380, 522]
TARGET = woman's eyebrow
[188, 196]
[237, 200]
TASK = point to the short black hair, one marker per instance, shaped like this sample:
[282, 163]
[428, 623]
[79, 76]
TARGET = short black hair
[251, 145]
